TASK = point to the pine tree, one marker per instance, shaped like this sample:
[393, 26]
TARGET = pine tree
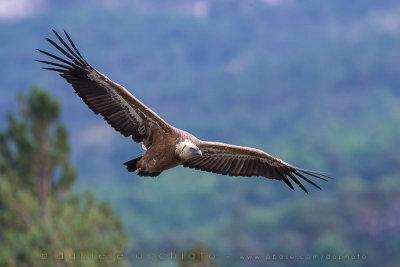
[41, 222]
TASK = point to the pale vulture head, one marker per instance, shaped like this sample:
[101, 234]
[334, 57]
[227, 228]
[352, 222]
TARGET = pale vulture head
[187, 150]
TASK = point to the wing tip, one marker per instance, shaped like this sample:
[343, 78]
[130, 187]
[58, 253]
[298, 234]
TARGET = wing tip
[286, 180]
[321, 175]
[294, 173]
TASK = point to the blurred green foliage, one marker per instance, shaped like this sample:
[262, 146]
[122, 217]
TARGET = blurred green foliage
[41, 222]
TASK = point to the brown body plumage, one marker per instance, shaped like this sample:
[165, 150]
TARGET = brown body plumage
[166, 146]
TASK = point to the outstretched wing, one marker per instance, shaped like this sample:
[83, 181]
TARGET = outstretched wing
[119, 108]
[244, 161]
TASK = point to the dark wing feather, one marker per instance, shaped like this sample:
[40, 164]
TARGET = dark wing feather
[244, 161]
[120, 109]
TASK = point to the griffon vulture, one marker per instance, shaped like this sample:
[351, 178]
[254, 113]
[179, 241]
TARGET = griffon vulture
[165, 145]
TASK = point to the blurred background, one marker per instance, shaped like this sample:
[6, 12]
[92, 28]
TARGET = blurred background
[315, 83]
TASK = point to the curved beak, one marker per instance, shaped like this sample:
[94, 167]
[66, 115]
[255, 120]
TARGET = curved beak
[195, 152]
[198, 153]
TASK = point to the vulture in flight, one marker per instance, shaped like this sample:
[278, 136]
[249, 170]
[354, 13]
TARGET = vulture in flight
[166, 146]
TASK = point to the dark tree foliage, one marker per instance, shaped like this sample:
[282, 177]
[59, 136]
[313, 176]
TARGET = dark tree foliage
[41, 222]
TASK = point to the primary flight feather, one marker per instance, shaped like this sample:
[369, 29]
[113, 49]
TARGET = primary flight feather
[166, 146]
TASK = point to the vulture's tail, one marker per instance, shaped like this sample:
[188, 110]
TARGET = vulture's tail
[131, 167]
